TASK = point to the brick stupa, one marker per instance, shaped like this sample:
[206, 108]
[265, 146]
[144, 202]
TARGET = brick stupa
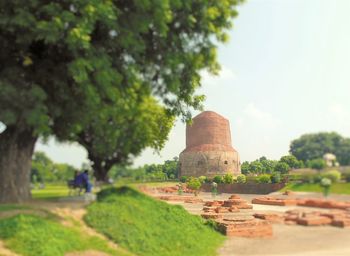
[209, 150]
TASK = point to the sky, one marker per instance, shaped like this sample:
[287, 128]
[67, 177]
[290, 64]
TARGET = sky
[285, 72]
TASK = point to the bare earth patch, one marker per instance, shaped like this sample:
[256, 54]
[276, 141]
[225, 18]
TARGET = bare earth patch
[87, 253]
[4, 251]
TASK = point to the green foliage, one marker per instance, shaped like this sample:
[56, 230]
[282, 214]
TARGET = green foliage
[256, 167]
[31, 235]
[194, 183]
[202, 179]
[241, 178]
[245, 167]
[228, 178]
[183, 179]
[45, 170]
[150, 227]
[314, 146]
[78, 57]
[333, 175]
[153, 172]
[264, 178]
[291, 161]
[317, 164]
[218, 179]
[276, 177]
[282, 167]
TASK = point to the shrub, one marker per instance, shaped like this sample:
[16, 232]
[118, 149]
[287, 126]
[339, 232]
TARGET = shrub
[241, 178]
[227, 178]
[317, 164]
[218, 179]
[194, 183]
[183, 179]
[276, 177]
[264, 178]
[202, 179]
[250, 178]
[333, 175]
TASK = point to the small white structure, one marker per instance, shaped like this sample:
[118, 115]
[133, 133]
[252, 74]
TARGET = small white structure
[330, 159]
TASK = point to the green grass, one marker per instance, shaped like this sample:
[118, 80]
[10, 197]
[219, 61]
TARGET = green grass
[337, 188]
[11, 207]
[51, 191]
[31, 235]
[146, 226]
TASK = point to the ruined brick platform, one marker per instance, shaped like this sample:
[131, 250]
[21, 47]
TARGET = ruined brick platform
[319, 203]
[335, 218]
[245, 228]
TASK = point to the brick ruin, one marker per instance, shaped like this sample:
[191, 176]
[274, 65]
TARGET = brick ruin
[209, 150]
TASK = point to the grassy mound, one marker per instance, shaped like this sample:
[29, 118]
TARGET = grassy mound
[146, 226]
[33, 235]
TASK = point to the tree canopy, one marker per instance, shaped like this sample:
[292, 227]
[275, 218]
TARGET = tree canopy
[314, 146]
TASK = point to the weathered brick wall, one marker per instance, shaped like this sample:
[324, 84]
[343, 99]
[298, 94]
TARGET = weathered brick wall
[246, 188]
[209, 150]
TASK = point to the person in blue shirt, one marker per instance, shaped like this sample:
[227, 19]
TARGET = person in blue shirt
[82, 180]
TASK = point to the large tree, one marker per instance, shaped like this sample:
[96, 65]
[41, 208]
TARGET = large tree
[314, 146]
[73, 56]
[115, 137]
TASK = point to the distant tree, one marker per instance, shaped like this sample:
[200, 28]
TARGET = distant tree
[268, 165]
[256, 167]
[292, 161]
[313, 146]
[282, 167]
[63, 62]
[114, 137]
[45, 170]
[245, 167]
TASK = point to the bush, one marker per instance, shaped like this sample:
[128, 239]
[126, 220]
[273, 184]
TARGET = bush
[227, 178]
[218, 179]
[202, 179]
[333, 175]
[264, 178]
[276, 177]
[317, 164]
[183, 179]
[194, 183]
[241, 178]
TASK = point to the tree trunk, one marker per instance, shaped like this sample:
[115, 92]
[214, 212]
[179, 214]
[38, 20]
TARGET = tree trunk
[101, 168]
[16, 150]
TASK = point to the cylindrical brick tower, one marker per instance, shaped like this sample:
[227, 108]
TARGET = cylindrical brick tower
[209, 150]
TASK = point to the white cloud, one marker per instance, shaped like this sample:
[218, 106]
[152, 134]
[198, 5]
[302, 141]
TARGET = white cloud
[262, 117]
[225, 75]
[337, 111]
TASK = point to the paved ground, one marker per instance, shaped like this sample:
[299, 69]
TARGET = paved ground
[287, 240]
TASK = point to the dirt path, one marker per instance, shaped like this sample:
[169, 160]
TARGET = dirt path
[4, 251]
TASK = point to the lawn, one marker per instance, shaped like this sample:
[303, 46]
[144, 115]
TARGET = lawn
[337, 188]
[146, 226]
[51, 191]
